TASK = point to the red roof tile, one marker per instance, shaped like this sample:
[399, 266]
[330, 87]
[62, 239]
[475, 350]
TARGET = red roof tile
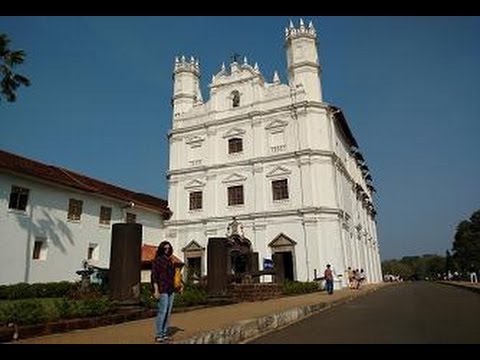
[149, 251]
[22, 166]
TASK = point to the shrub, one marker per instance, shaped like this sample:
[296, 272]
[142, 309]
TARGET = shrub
[25, 312]
[297, 287]
[192, 295]
[37, 290]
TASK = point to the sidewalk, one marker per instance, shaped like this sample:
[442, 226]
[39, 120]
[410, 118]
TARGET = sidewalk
[464, 284]
[228, 324]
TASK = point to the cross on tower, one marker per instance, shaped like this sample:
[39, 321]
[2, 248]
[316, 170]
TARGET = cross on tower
[235, 57]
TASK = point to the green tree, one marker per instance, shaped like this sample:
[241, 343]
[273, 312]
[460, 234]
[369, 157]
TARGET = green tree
[416, 267]
[466, 246]
[10, 80]
[397, 268]
[434, 266]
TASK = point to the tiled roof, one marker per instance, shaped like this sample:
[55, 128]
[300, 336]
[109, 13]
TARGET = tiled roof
[22, 166]
[340, 117]
[149, 251]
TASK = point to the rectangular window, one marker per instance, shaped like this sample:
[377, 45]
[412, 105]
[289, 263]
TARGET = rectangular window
[75, 209]
[92, 252]
[196, 198]
[105, 215]
[277, 142]
[39, 249]
[280, 189]
[18, 198]
[235, 195]
[131, 218]
[235, 145]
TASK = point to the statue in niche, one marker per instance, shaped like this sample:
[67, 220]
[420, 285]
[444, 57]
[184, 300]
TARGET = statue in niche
[235, 98]
[235, 228]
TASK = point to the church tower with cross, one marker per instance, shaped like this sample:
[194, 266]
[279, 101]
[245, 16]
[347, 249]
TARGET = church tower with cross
[277, 158]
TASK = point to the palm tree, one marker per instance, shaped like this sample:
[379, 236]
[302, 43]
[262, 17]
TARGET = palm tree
[10, 81]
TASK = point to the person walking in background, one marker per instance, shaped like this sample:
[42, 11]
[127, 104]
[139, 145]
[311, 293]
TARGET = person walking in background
[328, 275]
[363, 277]
[162, 278]
[350, 278]
[473, 275]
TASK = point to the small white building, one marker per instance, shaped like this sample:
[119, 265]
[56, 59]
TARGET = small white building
[275, 156]
[52, 219]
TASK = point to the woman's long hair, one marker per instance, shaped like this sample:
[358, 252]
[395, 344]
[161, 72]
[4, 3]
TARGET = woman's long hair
[161, 249]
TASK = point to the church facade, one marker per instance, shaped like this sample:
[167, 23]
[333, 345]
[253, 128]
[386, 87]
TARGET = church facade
[276, 157]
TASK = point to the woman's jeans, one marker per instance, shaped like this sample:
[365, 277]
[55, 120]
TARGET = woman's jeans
[165, 304]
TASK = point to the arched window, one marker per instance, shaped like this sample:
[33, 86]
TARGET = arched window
[235, 98]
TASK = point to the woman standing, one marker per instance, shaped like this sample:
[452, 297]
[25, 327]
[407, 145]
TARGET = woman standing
[163, 270]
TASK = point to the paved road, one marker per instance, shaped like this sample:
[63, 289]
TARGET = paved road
[420, 312]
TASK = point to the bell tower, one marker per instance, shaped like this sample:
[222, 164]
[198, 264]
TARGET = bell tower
[302, 59]
[186, 85]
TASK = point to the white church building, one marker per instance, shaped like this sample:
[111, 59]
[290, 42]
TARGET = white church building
[276, 157]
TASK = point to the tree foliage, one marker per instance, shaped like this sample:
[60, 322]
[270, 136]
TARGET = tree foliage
[10, 81]
[416, 267]
[465, 256]
[466, 246]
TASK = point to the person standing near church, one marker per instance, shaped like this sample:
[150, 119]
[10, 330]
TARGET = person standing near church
[473, 275]
[328, 275]
[162, 278]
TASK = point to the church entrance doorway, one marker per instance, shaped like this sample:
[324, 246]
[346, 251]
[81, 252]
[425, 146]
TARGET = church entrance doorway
[287, 260]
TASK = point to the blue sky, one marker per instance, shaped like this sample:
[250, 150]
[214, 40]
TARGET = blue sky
[99, 103]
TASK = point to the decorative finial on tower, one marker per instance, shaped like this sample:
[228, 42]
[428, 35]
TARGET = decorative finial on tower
[223, 66]
[245, 60]
[302, 25]
[235, 57]
[291, 24]
[311, 29]
[276, 78]
[176, 60]
[183, 58]
[255, 67]
[192, 59]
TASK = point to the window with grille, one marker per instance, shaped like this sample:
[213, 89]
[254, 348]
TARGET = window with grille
[18, 198]
[131, 218]
[196, 198]
[280, 189]
[235, 145]
[235, 195]
[105, 215]
[75, 209]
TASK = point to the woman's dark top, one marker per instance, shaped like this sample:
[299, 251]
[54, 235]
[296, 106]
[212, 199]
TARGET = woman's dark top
[162, 274]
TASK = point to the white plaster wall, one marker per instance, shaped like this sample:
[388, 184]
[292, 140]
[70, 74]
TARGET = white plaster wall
[67, 241]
